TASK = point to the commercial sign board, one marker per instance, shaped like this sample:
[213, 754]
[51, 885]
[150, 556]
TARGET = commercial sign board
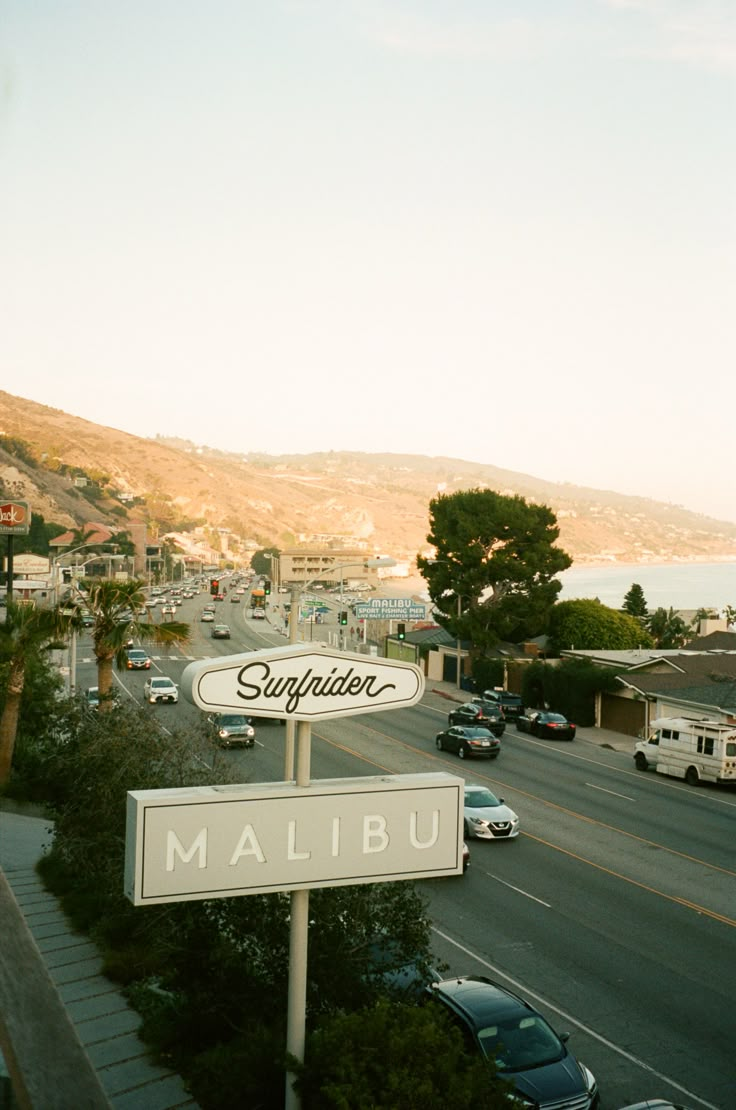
[306, 682]
[15, 518]
[26, 563]
[223, 841]
[391, 608]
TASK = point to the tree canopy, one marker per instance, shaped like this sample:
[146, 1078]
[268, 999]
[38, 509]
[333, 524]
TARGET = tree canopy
[260, 561]
[635, 604]
[667, 628]
[587, 624]
[493, 576]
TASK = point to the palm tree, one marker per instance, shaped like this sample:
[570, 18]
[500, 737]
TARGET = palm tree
[26, 632]
[115, 607]
[667, 628]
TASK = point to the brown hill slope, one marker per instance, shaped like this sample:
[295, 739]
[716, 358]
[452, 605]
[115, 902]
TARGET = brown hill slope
[380, 499]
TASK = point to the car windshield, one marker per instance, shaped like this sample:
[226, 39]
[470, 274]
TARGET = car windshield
[480, 798]
[161, 682]
[136, 653]
[231, 720]
[521, 1043]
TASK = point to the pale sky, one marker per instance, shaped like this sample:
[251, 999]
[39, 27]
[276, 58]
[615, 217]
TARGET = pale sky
[497, 230]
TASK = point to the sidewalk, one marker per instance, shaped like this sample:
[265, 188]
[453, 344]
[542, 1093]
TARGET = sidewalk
[105, 1023]
[601, 737]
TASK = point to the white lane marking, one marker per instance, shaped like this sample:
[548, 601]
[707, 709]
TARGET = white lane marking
[518, 890]
[524, 990]
[603, 790]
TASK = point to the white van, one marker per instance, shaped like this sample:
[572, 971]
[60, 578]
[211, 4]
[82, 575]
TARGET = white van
[696, 751]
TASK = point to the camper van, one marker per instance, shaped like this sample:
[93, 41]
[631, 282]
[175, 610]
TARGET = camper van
[696, 751]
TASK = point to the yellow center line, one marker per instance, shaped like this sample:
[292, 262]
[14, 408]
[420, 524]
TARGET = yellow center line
[635, 882]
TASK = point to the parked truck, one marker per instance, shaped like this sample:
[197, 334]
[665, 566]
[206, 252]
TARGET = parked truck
[696, 751]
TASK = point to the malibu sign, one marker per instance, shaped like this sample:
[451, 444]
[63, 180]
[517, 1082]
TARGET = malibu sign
[224, 841]
[15, 518]
[305, 682]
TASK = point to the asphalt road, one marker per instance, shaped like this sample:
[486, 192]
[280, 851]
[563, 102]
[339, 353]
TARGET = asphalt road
[614, 911]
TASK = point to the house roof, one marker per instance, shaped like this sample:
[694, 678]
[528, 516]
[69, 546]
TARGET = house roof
[714, 641]
[99, 533]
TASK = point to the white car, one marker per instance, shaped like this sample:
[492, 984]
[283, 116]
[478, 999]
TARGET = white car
[486, 817]
[168, 609]
[160, 688]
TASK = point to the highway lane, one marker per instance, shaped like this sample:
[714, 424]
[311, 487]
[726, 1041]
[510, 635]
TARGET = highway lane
[600, 909]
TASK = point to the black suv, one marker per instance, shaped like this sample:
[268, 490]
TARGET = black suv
[526, 1049]
[479, 714]
[510, 705]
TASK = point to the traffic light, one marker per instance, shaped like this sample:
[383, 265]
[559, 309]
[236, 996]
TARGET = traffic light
[214, 585]
[267, 586]
[401, 631]
[344, 617]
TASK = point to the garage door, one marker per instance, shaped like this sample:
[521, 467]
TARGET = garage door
[622, 714]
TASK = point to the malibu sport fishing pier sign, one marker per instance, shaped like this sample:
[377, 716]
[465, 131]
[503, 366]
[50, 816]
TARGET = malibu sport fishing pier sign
[224, 841]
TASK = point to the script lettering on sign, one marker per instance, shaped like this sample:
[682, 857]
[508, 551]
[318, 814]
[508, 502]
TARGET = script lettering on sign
[306, 682]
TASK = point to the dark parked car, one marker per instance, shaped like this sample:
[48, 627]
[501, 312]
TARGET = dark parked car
[231, 730]
[510, 705]
[546, 725]
[480, 715]
[466, 741]
[526, 1049]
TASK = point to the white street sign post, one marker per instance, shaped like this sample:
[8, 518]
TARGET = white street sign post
[216, 842]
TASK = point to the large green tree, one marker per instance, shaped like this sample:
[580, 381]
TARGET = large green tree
[493, 575]
[115, 607]
[25, 634]
[587, 624]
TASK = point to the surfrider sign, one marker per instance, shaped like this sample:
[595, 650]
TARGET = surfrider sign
[223, 841]
[307, 682]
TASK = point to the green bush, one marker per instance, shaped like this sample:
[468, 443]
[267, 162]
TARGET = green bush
[568, 687]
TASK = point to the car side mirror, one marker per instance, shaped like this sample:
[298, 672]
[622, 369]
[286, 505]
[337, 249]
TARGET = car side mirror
[564, 1037]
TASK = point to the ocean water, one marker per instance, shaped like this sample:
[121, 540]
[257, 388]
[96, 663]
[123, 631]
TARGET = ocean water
[671, 585]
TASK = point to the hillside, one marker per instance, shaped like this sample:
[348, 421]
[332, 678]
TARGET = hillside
[381, 500]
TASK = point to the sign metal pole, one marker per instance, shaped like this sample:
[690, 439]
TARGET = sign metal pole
[296, 1014]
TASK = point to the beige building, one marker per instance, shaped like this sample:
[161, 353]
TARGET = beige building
[301, 565]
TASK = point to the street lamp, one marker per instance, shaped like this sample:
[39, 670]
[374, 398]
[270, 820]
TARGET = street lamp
[56, 564]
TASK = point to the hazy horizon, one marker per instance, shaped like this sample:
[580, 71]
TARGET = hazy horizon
[497, 232]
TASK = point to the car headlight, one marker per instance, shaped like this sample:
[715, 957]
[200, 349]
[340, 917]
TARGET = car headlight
[477, 821]
[588, 1078]
[223, 733]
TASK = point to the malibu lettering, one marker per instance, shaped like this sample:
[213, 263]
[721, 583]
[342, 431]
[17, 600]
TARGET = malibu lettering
[256, 681]
[374, 834]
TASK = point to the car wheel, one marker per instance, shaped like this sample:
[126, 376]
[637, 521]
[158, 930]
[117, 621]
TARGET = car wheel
[461, 751]
[692, 778]
[466, 830]
[440, 745]
[495, 755]
[641, 761]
